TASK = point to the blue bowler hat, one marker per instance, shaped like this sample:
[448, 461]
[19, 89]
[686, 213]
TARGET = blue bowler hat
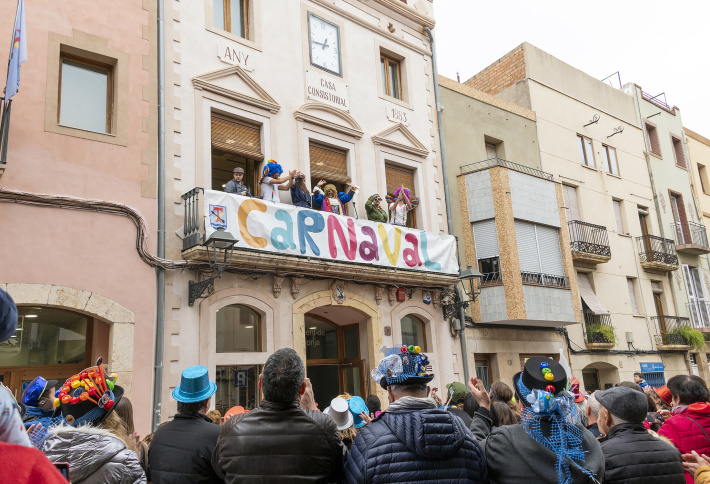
[357, 406]
[195, 385]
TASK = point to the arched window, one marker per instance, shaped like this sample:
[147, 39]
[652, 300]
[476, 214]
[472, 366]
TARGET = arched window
[413, 332]
[238, 329]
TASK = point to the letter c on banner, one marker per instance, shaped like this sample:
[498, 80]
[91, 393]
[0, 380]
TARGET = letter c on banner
[246, 207]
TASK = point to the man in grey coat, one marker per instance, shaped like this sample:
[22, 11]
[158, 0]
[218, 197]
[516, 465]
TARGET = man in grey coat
[235, 185]
[549, 445]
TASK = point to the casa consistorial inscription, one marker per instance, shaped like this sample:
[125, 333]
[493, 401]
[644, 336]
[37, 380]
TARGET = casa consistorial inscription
[327, 90]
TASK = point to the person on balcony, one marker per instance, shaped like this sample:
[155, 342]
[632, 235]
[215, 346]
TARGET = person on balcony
[328, 199]
[400, 205]
[271, 183]
[235, 185]
[300, 195]
[374, 212]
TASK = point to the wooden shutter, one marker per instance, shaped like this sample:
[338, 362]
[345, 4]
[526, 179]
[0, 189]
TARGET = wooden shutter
[572, 202]
[486, 238]
[653, 141]
[548, 241]
[236, 137]
[527, 247]
[396, 177]
[328, 164]
[617, 214]
[678, 151]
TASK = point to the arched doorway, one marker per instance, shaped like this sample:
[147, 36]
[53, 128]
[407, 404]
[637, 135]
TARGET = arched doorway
[599, 376]
[334, 357]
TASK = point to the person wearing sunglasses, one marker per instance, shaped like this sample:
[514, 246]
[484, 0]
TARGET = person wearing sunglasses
[374, 212]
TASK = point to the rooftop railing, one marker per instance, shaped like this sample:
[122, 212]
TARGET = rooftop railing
[491, 162]
[656, 249]
[588, 238]
[656, 99]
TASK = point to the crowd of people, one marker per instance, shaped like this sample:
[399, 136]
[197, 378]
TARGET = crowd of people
[325, 196]
[539, 429]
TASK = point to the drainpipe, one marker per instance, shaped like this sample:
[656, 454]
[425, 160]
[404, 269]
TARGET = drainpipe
[449, 221]
[160, 297]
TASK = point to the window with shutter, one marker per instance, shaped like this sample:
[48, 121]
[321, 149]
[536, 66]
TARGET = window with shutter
[619, 219]
[632, 296]
[586, 292]
[572, 202]
[397, 176]
[548, 242]
[490, 151]
[527, 247]
[486, 238]
[678, 151]
[328, 164]
[236, 137]
[652, 136]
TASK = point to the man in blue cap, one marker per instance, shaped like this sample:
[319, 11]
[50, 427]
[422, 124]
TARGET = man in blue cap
[181, 450]
[413, 440]
[38, 397]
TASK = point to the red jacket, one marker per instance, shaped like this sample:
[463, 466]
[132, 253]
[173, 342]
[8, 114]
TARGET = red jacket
[27, 465]
[685, 435]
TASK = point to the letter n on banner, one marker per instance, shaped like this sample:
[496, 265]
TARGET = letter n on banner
[334, 227]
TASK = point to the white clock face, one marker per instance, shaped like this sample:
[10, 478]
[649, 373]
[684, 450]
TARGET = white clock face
[324, 44]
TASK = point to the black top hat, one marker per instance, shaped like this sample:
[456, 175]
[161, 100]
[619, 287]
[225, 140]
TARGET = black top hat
[533, 376]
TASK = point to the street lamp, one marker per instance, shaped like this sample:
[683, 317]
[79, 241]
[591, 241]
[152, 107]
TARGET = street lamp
[467, 278]
[220, 247]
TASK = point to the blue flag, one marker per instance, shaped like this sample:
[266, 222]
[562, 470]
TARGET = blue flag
[18, 54]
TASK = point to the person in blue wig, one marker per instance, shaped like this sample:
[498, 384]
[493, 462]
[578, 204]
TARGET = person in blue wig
[272, 181]
[38, 397]
[549, 445]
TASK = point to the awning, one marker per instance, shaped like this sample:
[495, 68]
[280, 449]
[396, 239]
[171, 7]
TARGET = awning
[588, 295]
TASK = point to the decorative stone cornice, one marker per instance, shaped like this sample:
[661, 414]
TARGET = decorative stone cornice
[416, 147]
[408, 12]
[262, 99]
[352, 129]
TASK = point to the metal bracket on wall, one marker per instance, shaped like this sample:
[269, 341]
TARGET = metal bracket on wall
[196, 289]
[594, 120]
[618, 130]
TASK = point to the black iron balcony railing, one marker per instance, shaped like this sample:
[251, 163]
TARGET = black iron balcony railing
[482, 165]
[699, 314]
[588, 238]
[690, 233]
[192, 218]
[492, 279]
[598, 328]
[657, 249]
[548, 280]
[668, 328]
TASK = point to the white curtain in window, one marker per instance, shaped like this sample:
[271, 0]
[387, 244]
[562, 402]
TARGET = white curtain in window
[619, 220]
[632, 296]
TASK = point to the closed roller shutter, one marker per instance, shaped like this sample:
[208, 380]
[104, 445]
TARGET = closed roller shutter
[486, 238]
[617, 215]
[632, 296]
[397, 176]
[236, 137]
[527, 247]
[548, 241]
[328, 164]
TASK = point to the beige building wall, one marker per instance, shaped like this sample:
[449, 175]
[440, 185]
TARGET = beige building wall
[269, 89]
[86, 261]
[564, 100]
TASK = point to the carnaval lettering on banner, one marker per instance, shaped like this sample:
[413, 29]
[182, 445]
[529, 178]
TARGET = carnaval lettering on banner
[235, 56]
[290, 230]
[327, 90]
[398, 114]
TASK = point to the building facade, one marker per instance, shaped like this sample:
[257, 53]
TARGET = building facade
[524, 255]
[80, 168]
[341, 91]
[591, 140]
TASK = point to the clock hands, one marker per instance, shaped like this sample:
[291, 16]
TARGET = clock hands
[323, 45]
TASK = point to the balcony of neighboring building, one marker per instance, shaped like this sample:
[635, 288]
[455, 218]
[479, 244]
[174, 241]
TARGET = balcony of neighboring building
[598, 331]
[281, 239]
[669, 332]
[589, 243]
[690, 238]
[657, 254]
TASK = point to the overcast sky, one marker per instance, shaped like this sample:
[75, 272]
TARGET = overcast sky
[661, 46]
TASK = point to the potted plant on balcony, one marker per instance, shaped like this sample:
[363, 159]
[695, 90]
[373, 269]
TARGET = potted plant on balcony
[686, 336]
[600, 337]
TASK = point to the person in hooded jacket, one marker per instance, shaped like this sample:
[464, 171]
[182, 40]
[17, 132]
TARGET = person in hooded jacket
[549, 445]
[38, 398]
[413, 440]
[688, 427]
[93, 439]
[631, 453]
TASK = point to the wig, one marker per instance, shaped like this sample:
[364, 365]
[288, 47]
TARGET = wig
[272, 169]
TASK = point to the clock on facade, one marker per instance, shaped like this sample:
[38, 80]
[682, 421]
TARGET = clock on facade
[324, 40]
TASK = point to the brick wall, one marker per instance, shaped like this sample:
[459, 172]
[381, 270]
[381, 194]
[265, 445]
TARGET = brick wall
[504, 72]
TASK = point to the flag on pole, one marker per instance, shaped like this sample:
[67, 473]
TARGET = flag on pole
[18, 53]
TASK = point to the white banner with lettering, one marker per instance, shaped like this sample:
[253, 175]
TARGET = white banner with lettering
[290, 230]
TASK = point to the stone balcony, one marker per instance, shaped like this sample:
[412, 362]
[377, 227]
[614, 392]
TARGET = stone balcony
[657, 254]
[589, 243]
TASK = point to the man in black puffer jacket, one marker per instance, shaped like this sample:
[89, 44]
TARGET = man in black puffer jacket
[413, 440]
[631, 454]
[283, 440]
